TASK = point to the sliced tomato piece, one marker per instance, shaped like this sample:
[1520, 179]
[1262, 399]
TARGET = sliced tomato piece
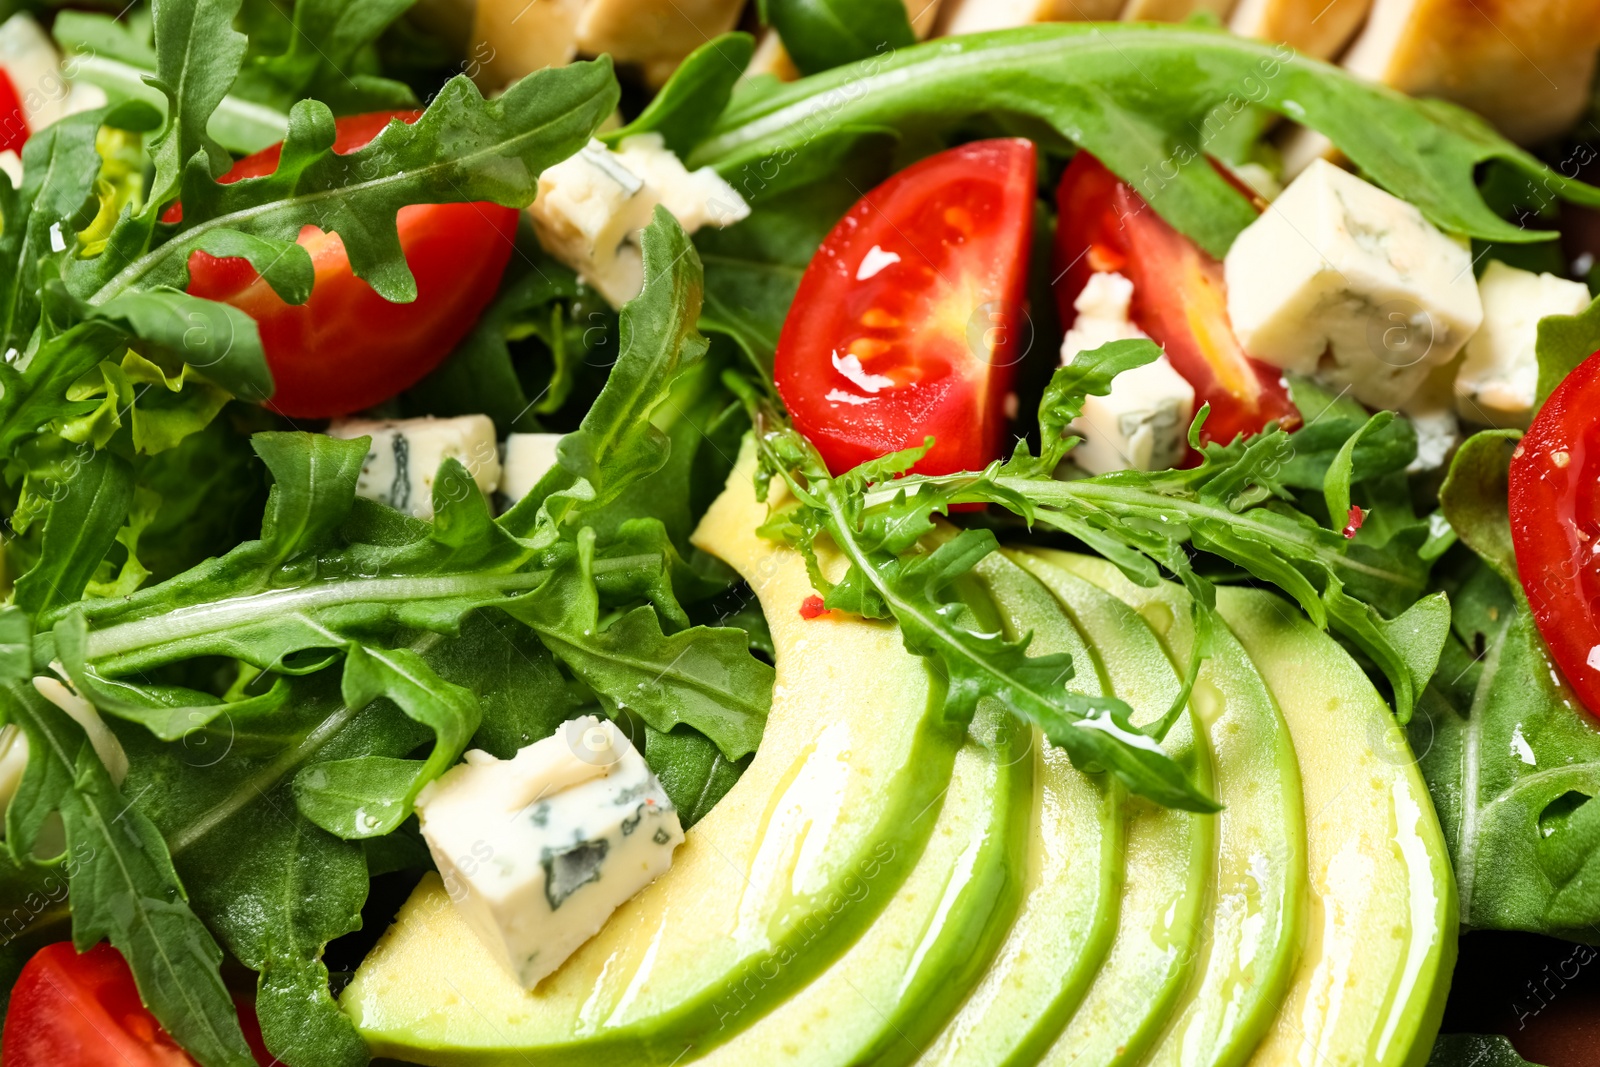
[910, 318]
[1179, 297]
[347, 348]
[13, 119]
[1555, 526]
[84, 1009]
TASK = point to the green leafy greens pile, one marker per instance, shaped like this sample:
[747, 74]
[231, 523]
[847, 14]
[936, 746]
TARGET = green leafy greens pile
[276, 693]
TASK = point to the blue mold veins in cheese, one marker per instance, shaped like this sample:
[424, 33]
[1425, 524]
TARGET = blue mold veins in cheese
[538, 850]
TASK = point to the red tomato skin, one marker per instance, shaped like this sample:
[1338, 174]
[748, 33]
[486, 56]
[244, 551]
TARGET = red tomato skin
[13, 119]
[1179, 297]
[347, 348]
[1554, 499]
[940, 312]
[84, 1009]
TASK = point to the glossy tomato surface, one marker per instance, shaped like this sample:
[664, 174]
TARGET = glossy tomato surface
[910, 318]
[1179, 296]
[1555, 526]
[72, 1009]
[347, 348]
[68, 1008]
[13, 119]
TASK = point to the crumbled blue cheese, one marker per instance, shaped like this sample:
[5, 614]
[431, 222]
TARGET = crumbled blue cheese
[1498, 377]
[29, 58]
[527, 457]
[405, 454]
[591, 207]
[1143, 422]
[1344, 282]
[537, 851]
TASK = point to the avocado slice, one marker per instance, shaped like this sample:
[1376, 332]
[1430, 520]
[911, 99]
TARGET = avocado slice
[1381, 937]
[1072, 883]
[1170, 853]
[806, 849]
[879, 1002]
[1258, 905]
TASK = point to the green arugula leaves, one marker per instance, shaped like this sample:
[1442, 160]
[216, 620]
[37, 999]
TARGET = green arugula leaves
[1139, 97]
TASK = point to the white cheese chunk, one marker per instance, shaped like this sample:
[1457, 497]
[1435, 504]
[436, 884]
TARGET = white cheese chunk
[1340, 280]
[1498, 377]
[537, 851]
[403, 459]
[592, 206]
[13, 761]
[1143, 422]
[11, 167]
[527, 457]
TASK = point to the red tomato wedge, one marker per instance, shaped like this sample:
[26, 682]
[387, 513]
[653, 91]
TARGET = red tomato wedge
[910, 318]
[1555, 526]
[347, 348]
[13, 119]
[1179, 297]
[68, 1008]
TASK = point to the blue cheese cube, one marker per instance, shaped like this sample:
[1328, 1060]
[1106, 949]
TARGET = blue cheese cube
[405, 454]
[538, 850]
[1341, 281]
[1143, 422]
[527, 457]
[591, 207]
[1498, 377]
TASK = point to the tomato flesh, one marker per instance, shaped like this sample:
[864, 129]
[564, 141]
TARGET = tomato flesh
[1179, 297]
[1554, 500]
[909, 319]
[71, 1008]
[13, 119]
[347, 348]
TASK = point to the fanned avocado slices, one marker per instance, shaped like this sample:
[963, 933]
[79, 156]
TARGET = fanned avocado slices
[805, 851]
[1257, 919]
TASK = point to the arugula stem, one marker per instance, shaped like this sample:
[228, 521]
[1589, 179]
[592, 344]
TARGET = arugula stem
[286, 763]
[217, 617]
[1056, 494]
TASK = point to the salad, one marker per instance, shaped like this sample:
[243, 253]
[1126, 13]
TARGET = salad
[956, 534]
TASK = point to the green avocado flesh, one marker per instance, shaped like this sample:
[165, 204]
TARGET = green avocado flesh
[1073, 881]
[882, 888]
[1169, 852]
[807, 849]
[1257, 908]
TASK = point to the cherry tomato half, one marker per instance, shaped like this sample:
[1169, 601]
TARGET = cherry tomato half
[13, 119]
[910, 317]
[68, 1008]
[1179, 297]
[1555, 526]
[347, 348]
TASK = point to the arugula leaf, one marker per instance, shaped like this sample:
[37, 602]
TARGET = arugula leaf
[123, 886]
[902, 565]
[463, 148]
[198, 53]
[88, 508]
[822, 34]
[692, 770]
[703, 676]
[1564, 341]
[1137, 97]
[1511, 758]
[58, 172]
[685, 108]
[325, 57]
